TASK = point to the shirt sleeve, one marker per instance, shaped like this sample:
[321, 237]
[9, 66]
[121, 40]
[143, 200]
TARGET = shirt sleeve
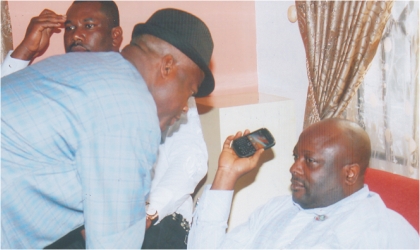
[210, 219]
[114, 168]
[181, 164]
[11, 65]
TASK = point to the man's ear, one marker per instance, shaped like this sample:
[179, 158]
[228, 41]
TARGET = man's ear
[117, 37]
[352, 173]
[167, 67]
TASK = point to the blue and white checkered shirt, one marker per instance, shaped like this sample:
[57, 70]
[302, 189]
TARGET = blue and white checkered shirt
[79, 136]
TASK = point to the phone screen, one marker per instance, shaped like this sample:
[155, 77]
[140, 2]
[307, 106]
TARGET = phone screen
[247, 145]
[258, 140]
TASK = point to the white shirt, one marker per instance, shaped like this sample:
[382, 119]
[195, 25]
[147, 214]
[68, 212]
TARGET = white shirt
[11, 65]
[358, 221]
[181, 164]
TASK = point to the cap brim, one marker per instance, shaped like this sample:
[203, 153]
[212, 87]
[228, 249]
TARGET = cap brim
[207, 86]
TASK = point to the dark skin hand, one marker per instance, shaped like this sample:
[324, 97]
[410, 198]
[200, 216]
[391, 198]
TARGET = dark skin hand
[232, 167]
[148, 223]
[38, 34]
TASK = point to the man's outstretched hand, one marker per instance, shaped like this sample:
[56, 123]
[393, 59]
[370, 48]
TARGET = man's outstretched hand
[231, 166]
[38, 34]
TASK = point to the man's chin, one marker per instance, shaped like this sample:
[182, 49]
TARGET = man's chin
[166, 125]
[303, 201]
[297, 201]
[297, 197]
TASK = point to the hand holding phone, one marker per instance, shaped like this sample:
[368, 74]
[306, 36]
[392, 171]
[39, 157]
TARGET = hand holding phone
[231, 166]
[247, 145]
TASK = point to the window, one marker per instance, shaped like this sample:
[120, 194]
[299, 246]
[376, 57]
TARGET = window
[388, 99]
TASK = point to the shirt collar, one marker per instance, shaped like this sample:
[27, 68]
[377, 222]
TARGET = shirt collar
[359, 195]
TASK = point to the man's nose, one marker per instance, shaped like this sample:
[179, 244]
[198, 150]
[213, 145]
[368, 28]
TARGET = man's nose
[78, 35]
[296, 168]
[185, 109]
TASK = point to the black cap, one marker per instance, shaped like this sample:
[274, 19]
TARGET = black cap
[187, 33]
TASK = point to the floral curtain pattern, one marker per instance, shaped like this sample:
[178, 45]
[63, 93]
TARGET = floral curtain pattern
[388, 100]
[340, 40]
[6, 30]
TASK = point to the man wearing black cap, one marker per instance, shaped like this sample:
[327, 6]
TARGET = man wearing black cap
[71, 152]
[93, 26]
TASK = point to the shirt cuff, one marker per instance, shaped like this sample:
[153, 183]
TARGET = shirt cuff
[214, 205]
[11, 65]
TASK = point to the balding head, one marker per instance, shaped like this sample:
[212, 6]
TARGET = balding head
[331, 157]
[170, 75]
[353, 141]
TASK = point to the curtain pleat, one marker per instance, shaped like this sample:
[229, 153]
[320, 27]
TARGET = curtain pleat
[6, 30]
[340, 40]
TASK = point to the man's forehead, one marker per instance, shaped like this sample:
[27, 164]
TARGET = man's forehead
[319, 138]
[86, 16]
[84, 7]
[87, 19]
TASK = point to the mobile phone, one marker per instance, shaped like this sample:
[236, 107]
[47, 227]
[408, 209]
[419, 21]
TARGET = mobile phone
[247, 145]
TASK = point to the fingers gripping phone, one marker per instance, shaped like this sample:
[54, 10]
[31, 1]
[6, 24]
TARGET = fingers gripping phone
[247, 145]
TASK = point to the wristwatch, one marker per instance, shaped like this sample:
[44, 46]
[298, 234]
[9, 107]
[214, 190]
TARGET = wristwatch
[152, 215]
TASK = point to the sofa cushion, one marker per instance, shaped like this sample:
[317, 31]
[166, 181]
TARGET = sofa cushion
[399, 193]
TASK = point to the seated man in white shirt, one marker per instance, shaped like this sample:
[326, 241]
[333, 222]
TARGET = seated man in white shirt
[330, 206]
[91, 26]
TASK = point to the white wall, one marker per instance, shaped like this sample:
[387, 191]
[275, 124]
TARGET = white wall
[281, 60]
[223, 115]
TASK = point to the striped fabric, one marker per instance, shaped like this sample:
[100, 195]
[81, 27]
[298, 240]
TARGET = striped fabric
[79, 136]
